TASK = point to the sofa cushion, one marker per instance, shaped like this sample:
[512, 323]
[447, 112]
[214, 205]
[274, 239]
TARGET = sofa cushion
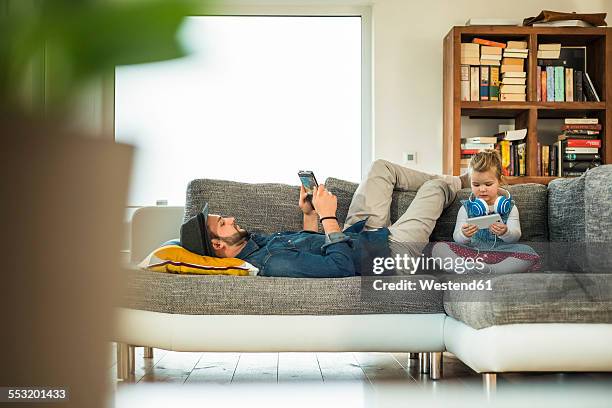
[257, 295]
[262, 207]
[598, 204]
[532, 298]
[531, 200]
[566, 209]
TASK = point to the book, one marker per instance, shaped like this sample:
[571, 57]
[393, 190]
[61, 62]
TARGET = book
[581, 157]
[578, 94]
[474, 83]
[512, 135]
[470, 61]
[546, 54]
[544, 86]
[513, 97]
[482, 41]
[465, 82]
[489, 62]
[589, 87]
[545, 160]
[538, 83]
[505, 156]
[521, 150]
[516, 44]
[514, 81]
[516, 50]
[484, 83]
[569, 84]
[580, 121]
[583, 143]
[548, 47]
[491, 56]
[559, 84]
[550, 84]
[494, 84]
[471, 151]
[470, 50]
[521, 74]
[480, 139]
[578, 150]
[512, 61]
[470, 146]
[513, 89]
[487, 49]
[581, 126]
[580, 165]
[511, 68]
[515, 55]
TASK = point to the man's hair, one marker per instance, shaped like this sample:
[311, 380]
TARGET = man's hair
[486, 160]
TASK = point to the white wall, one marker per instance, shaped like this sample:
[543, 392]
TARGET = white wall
[407, 63]
[407, 43]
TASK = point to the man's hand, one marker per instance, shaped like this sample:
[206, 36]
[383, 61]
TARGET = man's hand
[324, 202]
[469, 229]
[498, 228]
[305, 204]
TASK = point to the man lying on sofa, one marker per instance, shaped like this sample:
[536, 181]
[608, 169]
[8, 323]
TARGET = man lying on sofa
[338, 252]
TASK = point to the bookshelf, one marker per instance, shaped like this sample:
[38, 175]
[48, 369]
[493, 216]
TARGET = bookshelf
[598, 42]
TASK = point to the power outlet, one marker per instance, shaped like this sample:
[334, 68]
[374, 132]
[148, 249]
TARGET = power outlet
[409, 157]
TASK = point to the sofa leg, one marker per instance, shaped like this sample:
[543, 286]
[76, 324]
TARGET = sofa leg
[424, 363]
[435, 370]
[126, 361]
[489, 381]
[148, 352]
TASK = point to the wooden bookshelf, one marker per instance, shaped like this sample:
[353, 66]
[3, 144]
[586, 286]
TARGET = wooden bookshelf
[526, 114]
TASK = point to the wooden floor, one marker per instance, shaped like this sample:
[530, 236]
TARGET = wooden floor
[368, 369]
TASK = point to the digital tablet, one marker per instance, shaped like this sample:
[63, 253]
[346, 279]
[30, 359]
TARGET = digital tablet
[485, 221]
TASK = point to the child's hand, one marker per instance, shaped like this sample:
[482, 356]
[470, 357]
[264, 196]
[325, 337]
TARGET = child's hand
[469, 229]
[498, 228]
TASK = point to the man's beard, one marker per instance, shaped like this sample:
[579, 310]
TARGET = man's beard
[237, 238]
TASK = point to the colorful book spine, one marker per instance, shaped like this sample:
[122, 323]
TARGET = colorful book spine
[583, 143]
[505, 156]
[465, 82]
[543, 81]
[550, 84]
[494, 84]
[569, 85]
[484, 83]
[490, 43]
[559, 84]
[539, 83]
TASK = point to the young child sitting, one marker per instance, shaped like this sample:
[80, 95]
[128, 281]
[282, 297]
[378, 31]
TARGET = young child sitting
[496, 246]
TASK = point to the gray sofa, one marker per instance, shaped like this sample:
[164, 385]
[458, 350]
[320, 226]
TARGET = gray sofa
[528, 322]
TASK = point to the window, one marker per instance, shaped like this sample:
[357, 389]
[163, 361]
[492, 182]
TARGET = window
[258, 99]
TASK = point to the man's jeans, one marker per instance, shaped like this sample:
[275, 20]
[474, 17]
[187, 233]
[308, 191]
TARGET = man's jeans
[410, 233]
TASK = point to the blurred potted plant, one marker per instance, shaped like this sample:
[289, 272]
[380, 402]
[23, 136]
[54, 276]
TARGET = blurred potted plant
[63, 194]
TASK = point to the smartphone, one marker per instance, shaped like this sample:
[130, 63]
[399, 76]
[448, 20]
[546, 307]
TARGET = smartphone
[309, 181]
[484, 221]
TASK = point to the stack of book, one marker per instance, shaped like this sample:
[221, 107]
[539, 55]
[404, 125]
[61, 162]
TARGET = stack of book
[514, 76]
[576, 149]
[561, 77]
[472, 145]
[510, 145]
[482, 61]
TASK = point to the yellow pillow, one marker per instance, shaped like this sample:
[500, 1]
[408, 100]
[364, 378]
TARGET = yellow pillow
[176, 259]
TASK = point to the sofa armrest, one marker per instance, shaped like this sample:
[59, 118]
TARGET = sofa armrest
[151, 227]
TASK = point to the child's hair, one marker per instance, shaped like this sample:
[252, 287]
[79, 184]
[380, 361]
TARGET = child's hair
[486, 160]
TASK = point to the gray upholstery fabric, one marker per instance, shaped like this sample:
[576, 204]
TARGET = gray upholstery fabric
[265, 208]
[598, 204]
[533, 298]
[531, 200]
[255, 295]
[566, 209]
